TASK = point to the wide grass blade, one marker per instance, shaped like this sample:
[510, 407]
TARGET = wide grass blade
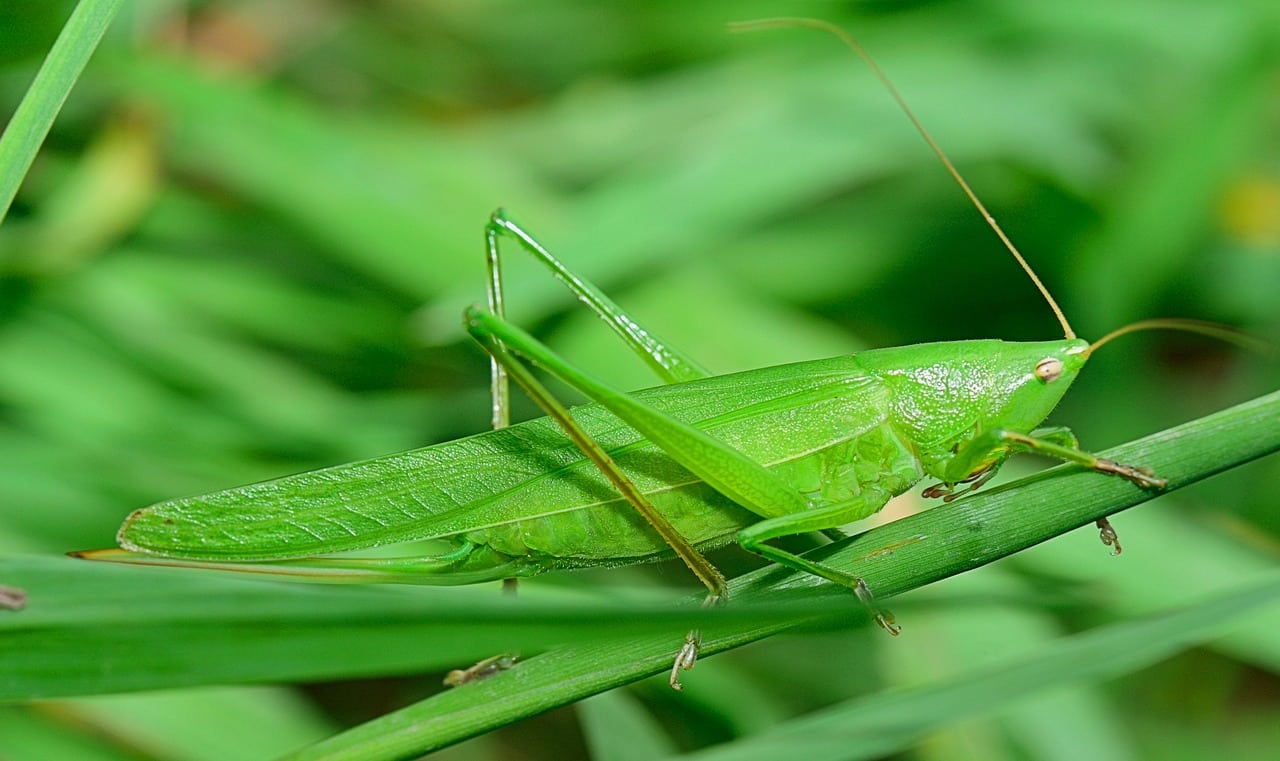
[92, 628]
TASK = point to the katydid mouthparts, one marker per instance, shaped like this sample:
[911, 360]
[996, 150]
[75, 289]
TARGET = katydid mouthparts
[698, 462]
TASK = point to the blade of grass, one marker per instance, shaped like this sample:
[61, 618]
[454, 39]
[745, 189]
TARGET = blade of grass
[977, 624]
[894, 558]
[883, 724]
[40, 106]
[617, 727]
[92, 628]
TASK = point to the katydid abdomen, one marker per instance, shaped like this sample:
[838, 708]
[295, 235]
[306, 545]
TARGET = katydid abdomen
[527, 489]
[834, 450]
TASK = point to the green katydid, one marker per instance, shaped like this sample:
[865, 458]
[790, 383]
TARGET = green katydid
[699, 462]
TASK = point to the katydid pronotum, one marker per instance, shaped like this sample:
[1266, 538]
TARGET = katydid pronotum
[699, 462]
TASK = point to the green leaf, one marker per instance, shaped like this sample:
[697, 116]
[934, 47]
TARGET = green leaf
[91, 628]
[31, 122]
[883, 724]
[206, 724]
[618, 728]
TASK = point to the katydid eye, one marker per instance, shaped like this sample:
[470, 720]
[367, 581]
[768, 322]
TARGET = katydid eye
[1048, 369]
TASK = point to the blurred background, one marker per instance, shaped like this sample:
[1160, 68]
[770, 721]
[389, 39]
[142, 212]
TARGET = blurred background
[244, 250]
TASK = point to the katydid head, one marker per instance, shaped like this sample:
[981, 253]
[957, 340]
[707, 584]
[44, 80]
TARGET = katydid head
[1029, 379]
[946, 393]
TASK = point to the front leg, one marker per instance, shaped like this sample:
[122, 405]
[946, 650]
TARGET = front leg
[995, 445]
[977, 461]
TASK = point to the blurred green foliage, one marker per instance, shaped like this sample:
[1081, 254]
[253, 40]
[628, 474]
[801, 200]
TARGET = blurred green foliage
[245, 246]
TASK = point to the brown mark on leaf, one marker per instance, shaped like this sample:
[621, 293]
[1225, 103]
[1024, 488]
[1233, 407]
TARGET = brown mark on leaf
[12, 598]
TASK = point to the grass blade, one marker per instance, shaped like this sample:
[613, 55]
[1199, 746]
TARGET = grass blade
[91, 628]
[31, 122]
[887, 723]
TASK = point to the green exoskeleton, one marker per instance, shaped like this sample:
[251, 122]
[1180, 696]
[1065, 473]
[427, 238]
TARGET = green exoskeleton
[699, 462]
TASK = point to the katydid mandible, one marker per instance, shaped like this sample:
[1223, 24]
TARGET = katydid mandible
[699, 462]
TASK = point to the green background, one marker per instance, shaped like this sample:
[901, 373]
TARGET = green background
[245, 247]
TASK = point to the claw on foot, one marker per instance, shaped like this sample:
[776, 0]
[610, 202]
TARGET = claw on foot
[1109, 536]
[950, 492]
[482, 670]
[688, 654]
[686, 658]
[883, 617]
[1144, 477]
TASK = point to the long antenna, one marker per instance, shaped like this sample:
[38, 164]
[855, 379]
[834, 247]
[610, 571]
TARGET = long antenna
[855, 46]
[1211, 329]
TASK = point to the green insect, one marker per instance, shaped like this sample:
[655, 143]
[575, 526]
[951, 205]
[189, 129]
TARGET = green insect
[699, 462]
